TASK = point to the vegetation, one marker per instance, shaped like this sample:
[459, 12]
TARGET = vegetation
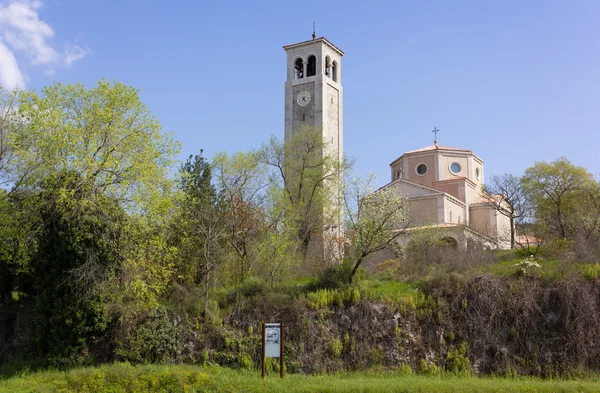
[108, 252]
[127, 379]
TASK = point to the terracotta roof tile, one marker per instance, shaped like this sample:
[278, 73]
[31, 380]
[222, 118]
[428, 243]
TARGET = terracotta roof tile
[487, 199]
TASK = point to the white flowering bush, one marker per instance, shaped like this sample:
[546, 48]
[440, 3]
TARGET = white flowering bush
[528, 266]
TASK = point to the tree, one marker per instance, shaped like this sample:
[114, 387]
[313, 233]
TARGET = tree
[87, 171]
[13, 140]
[310, 180]
[105, 134]
[565, 197]
[79, 246]
[506, 195]
[242, 180]
[201, 229]
[375, 219]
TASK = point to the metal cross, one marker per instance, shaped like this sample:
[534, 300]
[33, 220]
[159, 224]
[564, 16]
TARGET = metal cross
[435, 131]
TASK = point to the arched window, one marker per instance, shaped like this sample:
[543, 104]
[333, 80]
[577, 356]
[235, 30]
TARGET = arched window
[298, 69]
[448, 241]
[311, 68]
[328, 67]
[334, 71]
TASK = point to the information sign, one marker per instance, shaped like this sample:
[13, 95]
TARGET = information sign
[272, 340]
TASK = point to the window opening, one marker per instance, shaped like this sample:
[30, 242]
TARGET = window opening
[422, 169]
[311, 68]
[334, 71]
[298, 69]
[328, 67]
[455, 168]
[303, 117]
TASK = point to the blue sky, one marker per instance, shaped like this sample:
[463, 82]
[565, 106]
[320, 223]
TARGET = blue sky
[514, 81]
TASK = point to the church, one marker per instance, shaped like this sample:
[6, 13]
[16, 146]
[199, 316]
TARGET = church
[443, 184]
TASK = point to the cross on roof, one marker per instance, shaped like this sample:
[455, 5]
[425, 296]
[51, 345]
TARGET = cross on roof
[435, 131]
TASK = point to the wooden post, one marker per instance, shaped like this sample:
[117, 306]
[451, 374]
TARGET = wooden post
[281, 362]
[264, 346]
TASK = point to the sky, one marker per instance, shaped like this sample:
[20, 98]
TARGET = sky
[514, 81]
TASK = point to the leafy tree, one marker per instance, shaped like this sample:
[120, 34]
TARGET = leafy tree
[375, 219]
[105, 134]
[201, 227]
[565, 197]
[506, 195]
[14, 139]
[310, 180]
[79, 244]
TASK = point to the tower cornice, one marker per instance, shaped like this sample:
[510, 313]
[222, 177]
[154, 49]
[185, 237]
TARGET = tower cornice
[310, 42]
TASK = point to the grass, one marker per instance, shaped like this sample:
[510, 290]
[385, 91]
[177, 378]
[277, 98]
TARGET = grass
[391, 292]
[117, 378]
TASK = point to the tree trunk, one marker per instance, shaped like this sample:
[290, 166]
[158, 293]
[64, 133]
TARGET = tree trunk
[512, 231]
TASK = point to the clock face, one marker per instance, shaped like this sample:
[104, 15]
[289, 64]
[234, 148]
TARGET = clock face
[303, 98]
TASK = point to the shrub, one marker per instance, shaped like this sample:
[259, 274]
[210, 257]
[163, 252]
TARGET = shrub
[246, 362]
[404, 369]
[457, 361]
[528, 267]
[426, 368]
[336, 346]
[155, 340]
[320, 298]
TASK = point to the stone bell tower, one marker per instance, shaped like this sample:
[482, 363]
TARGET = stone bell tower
[314, 98]
[313, 91]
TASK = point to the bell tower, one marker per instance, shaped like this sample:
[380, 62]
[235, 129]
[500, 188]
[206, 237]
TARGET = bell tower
[313, 91]
[314, 98]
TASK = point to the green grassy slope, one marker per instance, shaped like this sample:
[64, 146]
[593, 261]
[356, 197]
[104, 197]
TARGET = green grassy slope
[119, 378]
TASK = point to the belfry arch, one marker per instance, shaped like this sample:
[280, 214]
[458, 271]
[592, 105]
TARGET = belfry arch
[298, 69]
[311, 66]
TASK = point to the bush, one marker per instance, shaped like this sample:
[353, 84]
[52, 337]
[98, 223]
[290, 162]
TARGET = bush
[155, 340]
[404, 369]
[336, 346]
[457, 361]
[320, 299]
[426, 368]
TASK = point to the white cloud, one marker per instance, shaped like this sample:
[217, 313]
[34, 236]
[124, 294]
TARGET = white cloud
[22, 32]
[74, 53]
[10, 75]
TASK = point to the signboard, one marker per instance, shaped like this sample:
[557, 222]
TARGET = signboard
[272, 340]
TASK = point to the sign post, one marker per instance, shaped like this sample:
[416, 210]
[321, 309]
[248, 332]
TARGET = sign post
[272, 344]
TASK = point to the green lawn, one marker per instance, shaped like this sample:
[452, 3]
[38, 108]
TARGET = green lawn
[118, 378]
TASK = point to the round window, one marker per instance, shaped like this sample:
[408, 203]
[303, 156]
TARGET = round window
[422, 169]
[455, 168]
[477, 175]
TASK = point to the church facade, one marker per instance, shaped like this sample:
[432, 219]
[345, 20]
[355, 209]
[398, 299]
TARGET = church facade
[443, 185]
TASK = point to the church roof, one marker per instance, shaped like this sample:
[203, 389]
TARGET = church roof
[308, 42]
[437, 147]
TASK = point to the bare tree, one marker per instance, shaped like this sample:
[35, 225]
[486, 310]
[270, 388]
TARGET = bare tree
[375, 219]
[242, 181]
[505, 194]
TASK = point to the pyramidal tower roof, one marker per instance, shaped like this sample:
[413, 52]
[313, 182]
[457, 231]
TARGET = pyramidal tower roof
[314, 40]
